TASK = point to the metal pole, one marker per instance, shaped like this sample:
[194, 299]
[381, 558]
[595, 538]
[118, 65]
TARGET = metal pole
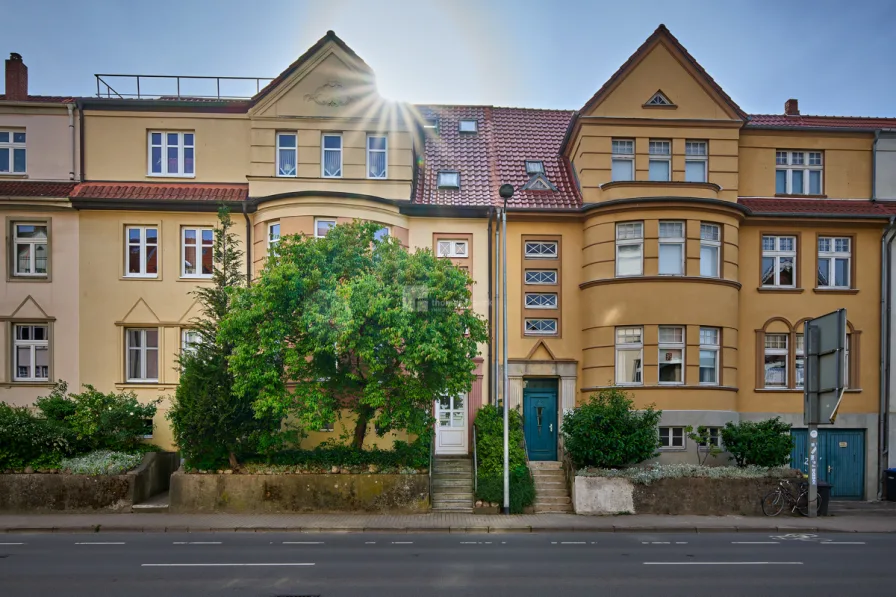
[495, 311]
[504, 342]
[813, 469]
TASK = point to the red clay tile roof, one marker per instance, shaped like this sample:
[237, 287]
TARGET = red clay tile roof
[819, 207]
[33, 188]
[50, 99]
[496, 154]
[153, 191]
[828, 122]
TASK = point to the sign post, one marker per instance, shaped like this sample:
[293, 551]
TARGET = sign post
[825, 349]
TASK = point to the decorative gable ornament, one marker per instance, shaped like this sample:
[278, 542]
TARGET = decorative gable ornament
[539, 182]
[332, 94]
[659, 100]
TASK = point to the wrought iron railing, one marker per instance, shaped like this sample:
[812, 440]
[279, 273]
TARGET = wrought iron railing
[175, 86]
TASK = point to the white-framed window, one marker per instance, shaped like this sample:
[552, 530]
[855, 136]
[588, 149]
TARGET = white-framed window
[709, 356]
[534, 167]
[779, 261]
[331, 156]
[541, 300]
[799, 172]
[189, 340]
[541, 249]
[629, 355]
[714, 439]
[629, 249]
[467, 126]
[660, 161]
[172, 154]
[32, 252]
[710, 249]
[142, 251]
[799, 367]
[452, 411]
[671, 355]
[322, 226]
[142, 354]
[776, 356]
[382, 233]
[541, 276]
[671, 437]
[541, 327]
[12, 152]
[834, 261]
[696, 154]
[273, 236]
[287, 154]
[623, 160]
[376, 156]
[453, 248]
[449, 179]
[198, 256]
[31, 352]
[671, 250]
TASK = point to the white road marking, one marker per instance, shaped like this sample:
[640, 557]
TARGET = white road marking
[681, 543]
[101, 543]
[842, 543]
[755, 543]
[303, 543]
[12, 544]
[370, 543]
[573, 543]
[402, 543]
[723, 563]
[228, 564]
[196, 543]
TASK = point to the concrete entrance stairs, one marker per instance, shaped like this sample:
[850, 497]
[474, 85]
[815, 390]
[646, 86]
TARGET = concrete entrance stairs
[452, 484]
[551, 491]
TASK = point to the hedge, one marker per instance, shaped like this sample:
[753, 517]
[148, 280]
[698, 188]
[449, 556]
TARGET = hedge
[490, 460]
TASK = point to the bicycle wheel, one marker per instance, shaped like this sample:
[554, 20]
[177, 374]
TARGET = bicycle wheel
[803, 507]
[773, 503]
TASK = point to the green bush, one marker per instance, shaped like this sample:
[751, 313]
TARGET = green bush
[608, 432]
[403, 456]
[29, 440]
[102, 462]
[490, 459]
[113, 421]
[766, 443]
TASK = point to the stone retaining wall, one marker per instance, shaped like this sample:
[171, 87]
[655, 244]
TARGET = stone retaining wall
[192, 493]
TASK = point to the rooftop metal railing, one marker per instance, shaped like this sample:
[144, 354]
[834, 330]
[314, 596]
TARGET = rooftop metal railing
[177, 86]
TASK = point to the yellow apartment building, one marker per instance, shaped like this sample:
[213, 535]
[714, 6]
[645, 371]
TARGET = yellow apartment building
[659, 238]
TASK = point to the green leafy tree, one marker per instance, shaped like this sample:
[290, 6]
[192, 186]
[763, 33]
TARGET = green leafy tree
[702, 436]
[608, 432]
[212, 424]
[351, 321]
[767, 443]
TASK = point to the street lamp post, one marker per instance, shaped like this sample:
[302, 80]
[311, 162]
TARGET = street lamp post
[506, 192]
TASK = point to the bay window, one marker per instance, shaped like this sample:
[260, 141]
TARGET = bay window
[629, 249]
[710, 248]
[709, 356]
[629, 355]
[623, 160]
[671, 249]
[660, 162]
[671, 355]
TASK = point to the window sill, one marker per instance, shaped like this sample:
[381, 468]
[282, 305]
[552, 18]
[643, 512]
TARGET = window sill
[195, 279]
[141, 278]
[835, 290]
[800, 196]
[27, 384]
[13, 175]
[170, 176]
[39, 279]
[144, 385]
[780, 390]
[675, 449]
[782, 289]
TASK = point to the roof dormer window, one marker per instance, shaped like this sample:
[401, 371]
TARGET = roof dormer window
[467, 126]
[534, 167]
[449, 179]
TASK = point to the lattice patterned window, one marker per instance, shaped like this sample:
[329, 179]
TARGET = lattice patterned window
[541, 300]
[540, 249]
[544, 327]
[453, 248]
[541, 276]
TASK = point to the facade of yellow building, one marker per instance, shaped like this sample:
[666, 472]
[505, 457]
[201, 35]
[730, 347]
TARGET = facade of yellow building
[659, 238]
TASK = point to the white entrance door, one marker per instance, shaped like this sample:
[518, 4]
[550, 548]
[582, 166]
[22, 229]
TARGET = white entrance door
[451, 425]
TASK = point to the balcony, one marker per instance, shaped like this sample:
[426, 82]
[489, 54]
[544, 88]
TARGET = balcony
[637, 189]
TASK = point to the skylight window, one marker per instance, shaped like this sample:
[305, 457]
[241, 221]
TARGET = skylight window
[449, 179]
[467, 126]
[659, 99]
[534, 167]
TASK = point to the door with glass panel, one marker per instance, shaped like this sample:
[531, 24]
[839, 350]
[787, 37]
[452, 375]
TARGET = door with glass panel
[451, 425]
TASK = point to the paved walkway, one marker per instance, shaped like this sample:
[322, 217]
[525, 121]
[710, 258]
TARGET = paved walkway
[444, 523]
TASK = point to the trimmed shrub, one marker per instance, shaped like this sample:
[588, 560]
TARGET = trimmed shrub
[490, 459]
[608, 432]
[766, 443]
[28, 440]
[101, 462]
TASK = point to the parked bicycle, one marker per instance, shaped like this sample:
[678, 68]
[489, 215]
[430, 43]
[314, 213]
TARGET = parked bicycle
[775, 501]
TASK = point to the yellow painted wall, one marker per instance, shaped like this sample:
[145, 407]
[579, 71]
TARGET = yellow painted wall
[48, 140]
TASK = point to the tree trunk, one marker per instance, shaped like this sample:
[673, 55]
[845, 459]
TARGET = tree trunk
[233, 462]
[365, 413]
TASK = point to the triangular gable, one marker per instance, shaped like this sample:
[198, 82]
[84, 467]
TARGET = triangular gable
[29, 309]
[194, 312]
[541, 352]
[329, 79]
[140, 313]
[539, 182]
[663, 39]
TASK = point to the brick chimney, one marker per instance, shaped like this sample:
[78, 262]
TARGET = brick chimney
[16, 78]
[792, 107]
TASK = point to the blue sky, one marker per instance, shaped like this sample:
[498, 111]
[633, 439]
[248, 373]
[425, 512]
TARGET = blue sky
[837, 58]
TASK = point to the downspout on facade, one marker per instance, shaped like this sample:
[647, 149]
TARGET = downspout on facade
[82, 175]
[248, 246]
[71, 130]
[886, 297]
[491, 310]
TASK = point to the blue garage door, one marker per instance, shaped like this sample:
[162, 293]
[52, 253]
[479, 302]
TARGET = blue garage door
[841, 460]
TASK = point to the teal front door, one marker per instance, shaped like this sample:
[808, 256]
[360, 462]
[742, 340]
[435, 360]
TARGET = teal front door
[841, 460]
[540, 424]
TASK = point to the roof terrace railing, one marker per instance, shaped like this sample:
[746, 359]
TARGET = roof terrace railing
[178, 87]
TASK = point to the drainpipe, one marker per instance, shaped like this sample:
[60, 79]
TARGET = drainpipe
[71, 129]
[82, 174]
[248, 246]
[886, 296]
[491, 320]
[874, 166]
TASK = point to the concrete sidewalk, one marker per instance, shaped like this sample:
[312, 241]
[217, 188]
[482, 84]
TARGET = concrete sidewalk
[437, 523]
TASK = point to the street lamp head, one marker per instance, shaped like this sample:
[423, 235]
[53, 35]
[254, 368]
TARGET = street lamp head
[506, 191]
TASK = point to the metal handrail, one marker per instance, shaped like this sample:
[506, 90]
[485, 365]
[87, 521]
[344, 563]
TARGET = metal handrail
[475, 464]
[104, 89]
[432, 447]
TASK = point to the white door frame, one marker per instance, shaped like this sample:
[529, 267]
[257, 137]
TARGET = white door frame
[452, 433]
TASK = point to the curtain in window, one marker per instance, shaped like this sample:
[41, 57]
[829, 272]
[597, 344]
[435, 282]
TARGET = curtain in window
[286, 162]
[659, 170]
[332, 163]
[695, 171]
[377, 167]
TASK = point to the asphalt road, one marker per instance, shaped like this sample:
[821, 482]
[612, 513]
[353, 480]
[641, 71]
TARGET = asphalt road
[413, 565]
